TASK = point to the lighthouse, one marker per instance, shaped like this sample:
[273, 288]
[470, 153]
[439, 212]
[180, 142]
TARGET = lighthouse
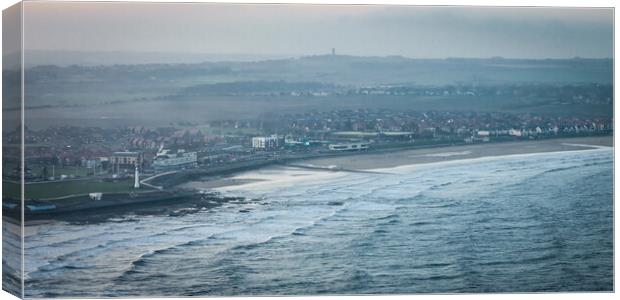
[136, 184]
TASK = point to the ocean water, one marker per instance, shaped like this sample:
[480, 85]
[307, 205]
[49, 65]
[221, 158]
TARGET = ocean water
[527, 223]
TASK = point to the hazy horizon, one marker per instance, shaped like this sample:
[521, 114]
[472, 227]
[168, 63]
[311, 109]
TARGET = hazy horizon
[283, 31]
[94, 58]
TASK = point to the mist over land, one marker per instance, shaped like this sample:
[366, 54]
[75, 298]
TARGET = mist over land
[133, 93]
[247, 60]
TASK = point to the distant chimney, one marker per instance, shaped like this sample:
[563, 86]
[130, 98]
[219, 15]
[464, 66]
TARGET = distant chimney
[333, 51]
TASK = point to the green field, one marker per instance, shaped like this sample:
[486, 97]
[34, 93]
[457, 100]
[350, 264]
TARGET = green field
[37, 170]
[64, 188]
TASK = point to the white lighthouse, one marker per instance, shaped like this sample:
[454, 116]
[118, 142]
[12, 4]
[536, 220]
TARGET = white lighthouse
[136, 184]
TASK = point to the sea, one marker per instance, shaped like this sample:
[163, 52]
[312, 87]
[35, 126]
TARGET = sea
[520, 223]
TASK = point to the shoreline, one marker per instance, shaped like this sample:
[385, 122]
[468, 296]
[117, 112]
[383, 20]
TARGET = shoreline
[173, 206]
[358, 161]
[371, 161]
[379, 161]
[295, 171]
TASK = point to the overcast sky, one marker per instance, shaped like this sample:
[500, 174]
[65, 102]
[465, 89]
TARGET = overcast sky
[419, 32]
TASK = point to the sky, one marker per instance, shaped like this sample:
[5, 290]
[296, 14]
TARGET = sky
[296, 30]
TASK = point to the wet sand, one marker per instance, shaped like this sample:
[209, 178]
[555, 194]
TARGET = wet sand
[212, 183]
[283, 175]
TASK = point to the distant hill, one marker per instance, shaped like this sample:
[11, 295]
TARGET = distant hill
[87, 84]
[98, 58]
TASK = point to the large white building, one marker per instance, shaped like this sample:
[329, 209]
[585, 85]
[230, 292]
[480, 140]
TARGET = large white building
[484, 133]
[169, 160]
[265, 142]
[515, 132]
[348, 146]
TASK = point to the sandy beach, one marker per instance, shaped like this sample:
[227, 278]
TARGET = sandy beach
[286, 175]
[267, 177]
[369, 161]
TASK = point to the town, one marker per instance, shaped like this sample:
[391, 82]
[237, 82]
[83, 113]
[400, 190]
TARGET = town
[70, 153]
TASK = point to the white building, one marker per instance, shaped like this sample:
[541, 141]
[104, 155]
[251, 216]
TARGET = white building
[265, 142]
[348, 146]
[515, 132]
[170, 160]
[483, 133]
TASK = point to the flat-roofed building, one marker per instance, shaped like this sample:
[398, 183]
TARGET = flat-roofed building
[348, 146]
[125, 161]
[265, 142]
[483, 133]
